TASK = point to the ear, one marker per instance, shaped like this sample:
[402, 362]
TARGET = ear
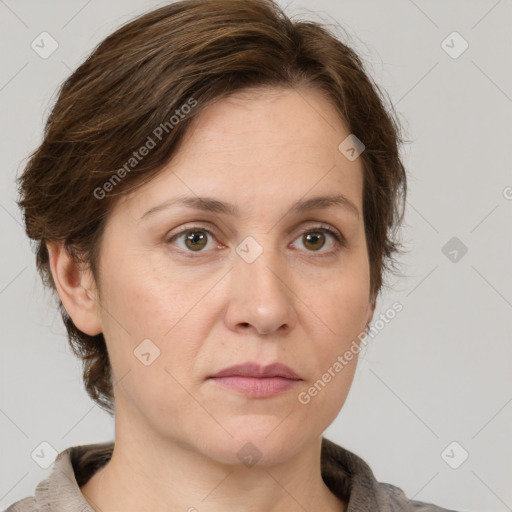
[76, 288]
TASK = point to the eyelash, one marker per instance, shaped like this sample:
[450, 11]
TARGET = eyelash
[321, 228]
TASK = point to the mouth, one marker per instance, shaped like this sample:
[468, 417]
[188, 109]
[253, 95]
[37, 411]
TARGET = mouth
[256, 381]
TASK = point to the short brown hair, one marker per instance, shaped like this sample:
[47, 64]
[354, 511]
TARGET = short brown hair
[142, 76]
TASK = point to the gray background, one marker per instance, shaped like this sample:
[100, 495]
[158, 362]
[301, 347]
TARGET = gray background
[440, 372]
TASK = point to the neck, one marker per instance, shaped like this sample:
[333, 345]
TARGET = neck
[146, 472]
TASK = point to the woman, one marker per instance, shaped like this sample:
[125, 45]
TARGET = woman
[215, 201]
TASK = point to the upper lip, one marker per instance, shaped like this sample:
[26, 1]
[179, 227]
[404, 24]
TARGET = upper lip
[256, 370]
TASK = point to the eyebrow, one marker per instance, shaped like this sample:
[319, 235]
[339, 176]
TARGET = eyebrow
[209, 204]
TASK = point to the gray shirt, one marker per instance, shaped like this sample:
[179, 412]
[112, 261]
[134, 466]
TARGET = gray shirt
[346, 475]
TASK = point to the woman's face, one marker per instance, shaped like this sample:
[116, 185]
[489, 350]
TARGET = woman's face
[188, 291]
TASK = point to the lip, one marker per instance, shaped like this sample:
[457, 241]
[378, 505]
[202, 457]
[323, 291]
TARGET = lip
[258, 371]
[256, 381]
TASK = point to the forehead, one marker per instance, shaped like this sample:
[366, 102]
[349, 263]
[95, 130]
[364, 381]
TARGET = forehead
[260, 144]
[268, 117]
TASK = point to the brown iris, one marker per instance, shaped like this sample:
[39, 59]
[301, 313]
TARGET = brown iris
[196, 240]
[312, 238]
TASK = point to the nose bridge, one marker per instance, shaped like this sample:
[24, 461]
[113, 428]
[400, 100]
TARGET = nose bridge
[259, 264]
[261, 296]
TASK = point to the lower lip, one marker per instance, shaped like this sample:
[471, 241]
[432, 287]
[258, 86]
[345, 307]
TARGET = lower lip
[256, 387]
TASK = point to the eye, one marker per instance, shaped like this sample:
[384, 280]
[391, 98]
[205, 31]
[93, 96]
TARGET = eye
[315, 239]
[194, 238]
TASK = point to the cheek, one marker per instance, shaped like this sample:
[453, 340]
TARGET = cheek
[144, 301]
[342, 306]
[345, 316]
[343, 303]
[147, 302]
[150, 343]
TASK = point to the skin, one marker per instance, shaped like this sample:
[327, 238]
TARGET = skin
[300, 303]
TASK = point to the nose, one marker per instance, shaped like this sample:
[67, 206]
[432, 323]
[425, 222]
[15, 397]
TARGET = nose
[261, 299]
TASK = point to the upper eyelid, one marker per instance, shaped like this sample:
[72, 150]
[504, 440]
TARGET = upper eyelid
[310, 225]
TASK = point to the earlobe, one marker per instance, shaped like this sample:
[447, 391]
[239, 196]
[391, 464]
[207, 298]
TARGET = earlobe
[76, 289]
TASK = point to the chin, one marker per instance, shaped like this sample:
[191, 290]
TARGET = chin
[263, 441]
